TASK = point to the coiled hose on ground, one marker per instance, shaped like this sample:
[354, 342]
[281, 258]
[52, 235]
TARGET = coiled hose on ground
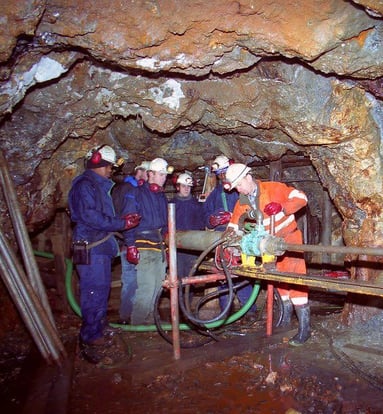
[203, 326]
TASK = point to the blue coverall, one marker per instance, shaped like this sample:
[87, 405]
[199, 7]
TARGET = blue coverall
[121, 192]
[93, 215]
[219, 200]
[152, 205]
[189, 216]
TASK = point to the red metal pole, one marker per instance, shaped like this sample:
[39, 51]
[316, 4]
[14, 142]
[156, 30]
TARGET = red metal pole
[173, 281]
[269, 321]
[270, 290]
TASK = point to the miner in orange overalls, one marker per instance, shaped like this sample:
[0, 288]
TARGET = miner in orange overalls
[261, 200]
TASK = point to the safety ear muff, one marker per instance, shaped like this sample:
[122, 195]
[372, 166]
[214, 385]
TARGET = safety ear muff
[155, 188]
[226, 185]
[96, 157]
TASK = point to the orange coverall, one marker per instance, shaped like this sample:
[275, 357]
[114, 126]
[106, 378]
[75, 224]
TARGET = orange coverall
[291, 201]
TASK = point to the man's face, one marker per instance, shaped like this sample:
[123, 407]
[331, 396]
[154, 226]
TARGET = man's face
[141, 175]
[158, 178]
[221, 176]
[245, 185]
[105, 172]
[184, 190]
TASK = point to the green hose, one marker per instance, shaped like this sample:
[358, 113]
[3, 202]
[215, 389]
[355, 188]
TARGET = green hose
[145, 328]
[68, 280]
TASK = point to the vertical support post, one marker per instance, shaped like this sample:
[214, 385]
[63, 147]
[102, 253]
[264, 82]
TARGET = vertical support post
[326, 229]
[276, 171]
[270, 291]
[173, 281]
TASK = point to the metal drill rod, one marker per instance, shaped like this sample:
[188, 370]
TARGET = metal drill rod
[199, 240]
[279, 244]
[28, 303]
[22, 237]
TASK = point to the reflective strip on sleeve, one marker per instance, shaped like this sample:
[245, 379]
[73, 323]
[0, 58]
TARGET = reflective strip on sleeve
[297, 194]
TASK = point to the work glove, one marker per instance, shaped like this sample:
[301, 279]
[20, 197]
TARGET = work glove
[223, 217]
[131, 220]
[132, 255]
[272, 208]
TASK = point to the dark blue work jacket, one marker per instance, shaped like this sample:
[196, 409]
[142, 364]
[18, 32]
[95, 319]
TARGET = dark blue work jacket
[92, 212]
[153, 209]
[121, 192]
[215, 202]
[189, 213]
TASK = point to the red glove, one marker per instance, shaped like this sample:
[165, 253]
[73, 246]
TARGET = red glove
[131, 220]
[132, 255]
[223, 217]
[272, 208]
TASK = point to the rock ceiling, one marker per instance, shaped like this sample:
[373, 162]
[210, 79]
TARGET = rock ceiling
[189, 79]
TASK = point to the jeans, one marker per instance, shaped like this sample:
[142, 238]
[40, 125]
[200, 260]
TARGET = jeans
[151, 271]
[128, 288]
[95, 280]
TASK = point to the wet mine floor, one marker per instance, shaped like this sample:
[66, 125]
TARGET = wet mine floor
[238, 369]
[244, 372]
[241, 371]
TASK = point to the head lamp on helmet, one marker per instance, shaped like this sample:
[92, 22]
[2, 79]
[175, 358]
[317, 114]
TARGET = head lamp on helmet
[234, 175]
[161, 166]
[185, 179]
[220, 164]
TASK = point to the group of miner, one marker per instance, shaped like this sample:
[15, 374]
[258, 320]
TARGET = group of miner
[129, 219]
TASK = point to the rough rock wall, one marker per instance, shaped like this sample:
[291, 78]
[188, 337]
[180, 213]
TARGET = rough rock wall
[189, 79]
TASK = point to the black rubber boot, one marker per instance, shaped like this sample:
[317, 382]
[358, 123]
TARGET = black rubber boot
[303, 313]
[95, 351]
[287, 307]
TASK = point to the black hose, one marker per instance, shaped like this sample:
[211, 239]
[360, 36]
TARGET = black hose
[222, 315]
[212, 295]
[168, 338]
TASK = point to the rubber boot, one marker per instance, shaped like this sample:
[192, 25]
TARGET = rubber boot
[303, 313]
[93, 353]
[287, 307]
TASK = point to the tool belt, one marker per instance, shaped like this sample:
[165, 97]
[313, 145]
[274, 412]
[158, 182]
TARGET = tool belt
[81, 249]
[151, 240]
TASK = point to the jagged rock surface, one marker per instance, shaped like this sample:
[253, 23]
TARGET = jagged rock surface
[189, 79]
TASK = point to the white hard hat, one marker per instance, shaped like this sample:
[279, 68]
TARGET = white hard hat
[185, 179]
[160, 165]
[143, 166]
[101, 156]
[234, 174]
[220, 164]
